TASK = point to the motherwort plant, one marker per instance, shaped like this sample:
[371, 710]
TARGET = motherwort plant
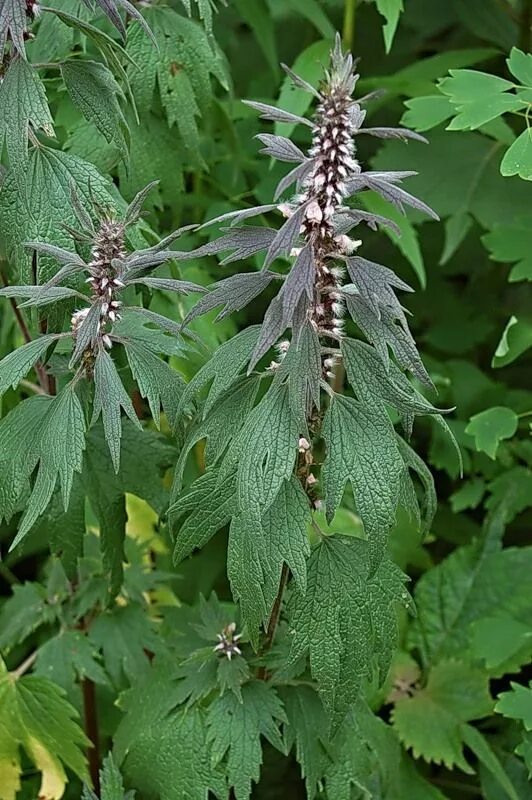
[284, 440]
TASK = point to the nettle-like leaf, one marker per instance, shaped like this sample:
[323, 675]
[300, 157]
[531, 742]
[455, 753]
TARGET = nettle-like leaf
[35, 717]
[182, 68]
[93, 88]
[346, 622]
[23, 107]
[234, 731]
[111, 783]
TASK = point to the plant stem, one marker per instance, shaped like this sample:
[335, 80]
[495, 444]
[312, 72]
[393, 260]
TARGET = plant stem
[348, 32]
[274, 619]
[25, 666]
[91, 729]
[525, 25]
[8, 575]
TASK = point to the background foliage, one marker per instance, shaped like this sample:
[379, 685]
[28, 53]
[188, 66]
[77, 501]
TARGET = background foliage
[130, 650]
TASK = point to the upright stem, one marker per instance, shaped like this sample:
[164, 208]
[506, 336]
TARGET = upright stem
[525, 25]
[91, 729]
[348, 32]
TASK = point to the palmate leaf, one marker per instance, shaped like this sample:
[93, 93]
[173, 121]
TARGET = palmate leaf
[234, 731]
[54, 443]
[455, 694]
[94, 90]
[346, 622]
[362, 448]
[35, 717]
[161, 745]
[38, 204]
[68, 656]
[182, 67]
[23, 612]
[23, 106]
[111, 784]
[307, 731]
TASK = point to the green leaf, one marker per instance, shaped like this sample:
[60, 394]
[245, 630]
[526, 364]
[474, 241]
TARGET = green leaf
[499, 639]
[481, 748]
[109, 398]
[23, 107]
[520, 65]
[518, 158]
[515, 340]
[391, 11]
[157, 381]
[161, 746]
[112, 786]
[58, 452]
[306, 729]
[223, 368]
[455, 693]
[473, 583]
[37, 205]
[346, 621]
[68, 656]
[478, 97]
[182, 67]
[234, 731]
[94, 90]
[35, 716]
[16, 365]
[312, 10]
[362, 448]
[22, 613]
[491, 426]
[258, 549]
[516, 704]
[124, 634]
[512, 243]
[427, 112]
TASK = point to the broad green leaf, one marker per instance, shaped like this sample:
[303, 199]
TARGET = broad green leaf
[94, 90]
[473, 583]
[125, 635]
[258, 549]
[515, 340]
[362, 449]
[512, 243]
[468, 495]
[58, 452]
[491, 426]
[427, 112]
[485, 754]
[37, 205]
[516, 704]
[16, 365]
[235, 730]
[391, 11]
[68, 656]
[35, 717]
[518, 158]
[22, 613]
[346, 621]
[306, 730]
[520, 65]
[23, 107]
[502, 642]
[455, 693]
[110, 398]
[478, 97]
[162, 746]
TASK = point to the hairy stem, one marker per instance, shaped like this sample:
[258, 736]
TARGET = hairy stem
[90, 713]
